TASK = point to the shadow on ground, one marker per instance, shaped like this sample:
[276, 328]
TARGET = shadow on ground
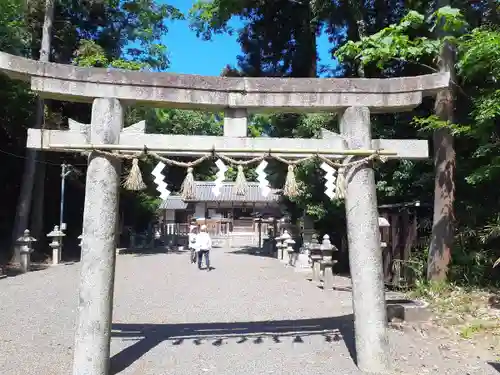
[153, 251]
[11, 271]
[148, 336]
[252, 250]
[337, 288]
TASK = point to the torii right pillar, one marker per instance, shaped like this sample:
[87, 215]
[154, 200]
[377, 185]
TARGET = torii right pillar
[365, 257]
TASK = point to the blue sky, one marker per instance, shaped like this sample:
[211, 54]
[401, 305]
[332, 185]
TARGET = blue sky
[189, 54]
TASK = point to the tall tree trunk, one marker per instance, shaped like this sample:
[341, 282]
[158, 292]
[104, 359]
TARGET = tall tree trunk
[24, 204]
[445, 164]
[39, 193]
[493, 6]
[305, 59]
[356, 9]
[312, 28]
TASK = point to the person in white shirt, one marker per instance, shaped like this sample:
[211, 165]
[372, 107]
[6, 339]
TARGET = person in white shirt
[193, 233]
[203, 245]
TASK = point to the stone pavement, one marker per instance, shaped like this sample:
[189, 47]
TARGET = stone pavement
[250, 315]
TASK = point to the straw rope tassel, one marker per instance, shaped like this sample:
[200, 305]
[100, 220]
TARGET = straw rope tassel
[188, 187]
[291, 188]
[241, 183]
[134, 179]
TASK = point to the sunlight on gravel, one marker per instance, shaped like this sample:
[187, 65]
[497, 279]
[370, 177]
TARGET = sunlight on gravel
[250, 315]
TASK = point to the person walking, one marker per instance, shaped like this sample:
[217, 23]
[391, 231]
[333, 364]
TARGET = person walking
[193, 233]
[204, 245]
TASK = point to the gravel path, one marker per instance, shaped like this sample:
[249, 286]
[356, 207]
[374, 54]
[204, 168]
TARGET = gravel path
[248, 316]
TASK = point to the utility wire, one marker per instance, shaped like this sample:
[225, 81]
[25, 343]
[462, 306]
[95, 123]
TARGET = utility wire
[38, 161]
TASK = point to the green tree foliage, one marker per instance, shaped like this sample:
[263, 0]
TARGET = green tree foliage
[130, 29]
[13, 35]
[479, 65]
[477, 51]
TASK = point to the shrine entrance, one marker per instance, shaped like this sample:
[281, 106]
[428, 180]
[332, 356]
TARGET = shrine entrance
[233, 219]
[347, 161]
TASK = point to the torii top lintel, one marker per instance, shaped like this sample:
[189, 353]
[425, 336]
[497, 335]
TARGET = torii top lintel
[67, 82]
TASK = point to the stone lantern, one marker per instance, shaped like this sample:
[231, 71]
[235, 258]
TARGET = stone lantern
[316, 256]
[290, 251]
[327, 262]
[383, 223]
[303, 261]
[25, 247]
[279, 247]
[56, 244]
[285, 238]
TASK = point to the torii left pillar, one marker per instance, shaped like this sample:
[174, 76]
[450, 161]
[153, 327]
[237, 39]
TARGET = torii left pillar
[95, 304]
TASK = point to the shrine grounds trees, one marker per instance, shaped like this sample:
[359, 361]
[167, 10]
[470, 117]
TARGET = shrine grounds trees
[408, 43]
[86, 33]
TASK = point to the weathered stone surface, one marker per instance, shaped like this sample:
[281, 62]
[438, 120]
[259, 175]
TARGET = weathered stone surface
[235, 122]
[302, 263]
[408, 310]
[365, 256]
[137, 128]
[198, 145]
[316, 273]
[77, 127]
[93, 330]
[191, 91]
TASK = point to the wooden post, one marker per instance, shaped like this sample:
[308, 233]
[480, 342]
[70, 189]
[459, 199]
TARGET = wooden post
[396, 245]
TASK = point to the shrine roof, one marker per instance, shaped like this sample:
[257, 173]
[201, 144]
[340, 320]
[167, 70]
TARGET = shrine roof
[204, 193]
[173, 202]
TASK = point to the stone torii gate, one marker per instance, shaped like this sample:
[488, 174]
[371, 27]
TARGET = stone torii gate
[109, 90]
